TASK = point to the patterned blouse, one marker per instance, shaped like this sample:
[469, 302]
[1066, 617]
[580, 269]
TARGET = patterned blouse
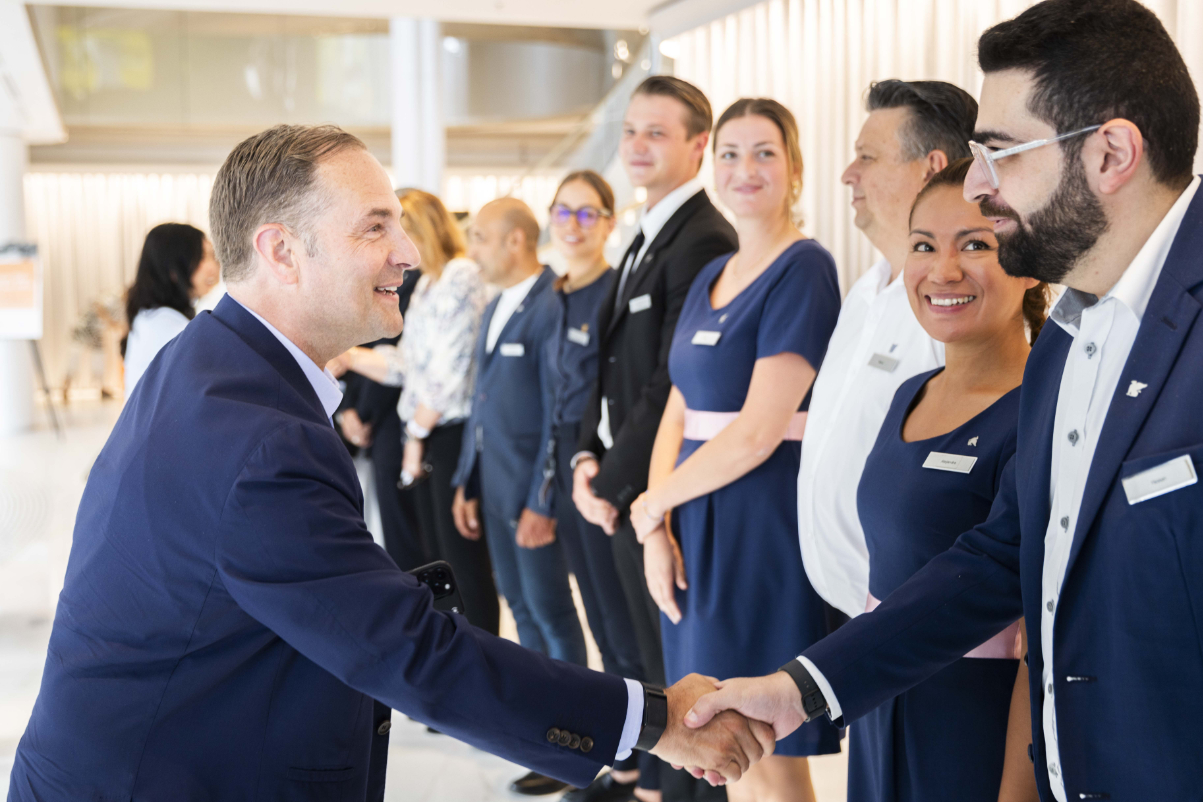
[438, 346]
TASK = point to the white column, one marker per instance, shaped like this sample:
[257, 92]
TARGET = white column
[16, 369]
[419, 132]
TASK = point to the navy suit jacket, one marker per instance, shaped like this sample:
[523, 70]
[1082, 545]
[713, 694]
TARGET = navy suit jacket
[227, 621]
[503, 455]
[1128, 636]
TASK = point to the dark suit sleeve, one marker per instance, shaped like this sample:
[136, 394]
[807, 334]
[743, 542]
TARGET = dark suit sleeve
[294, 554]
[467, 459]
[956, 602]
[623, 473]
[541, 498]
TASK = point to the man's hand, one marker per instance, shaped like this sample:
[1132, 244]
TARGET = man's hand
[664, 569]
[774, 699]
[466, 513]
[535, 531]
[595, 510]
[723, 749]
[355, 430]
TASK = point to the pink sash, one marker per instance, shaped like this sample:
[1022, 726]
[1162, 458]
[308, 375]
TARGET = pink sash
[1006, 645]
[707, 425]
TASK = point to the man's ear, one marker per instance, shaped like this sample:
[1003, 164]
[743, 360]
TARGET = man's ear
[276, 248]
[936, 161]
[698, 147]
[1113, 154]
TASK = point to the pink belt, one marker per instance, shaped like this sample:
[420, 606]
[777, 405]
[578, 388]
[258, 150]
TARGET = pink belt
[1006, 645]
[707, 425]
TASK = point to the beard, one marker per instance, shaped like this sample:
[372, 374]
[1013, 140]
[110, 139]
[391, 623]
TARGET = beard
[1048, 247]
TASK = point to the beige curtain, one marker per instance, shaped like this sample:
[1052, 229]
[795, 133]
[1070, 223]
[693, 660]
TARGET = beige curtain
[819, 56]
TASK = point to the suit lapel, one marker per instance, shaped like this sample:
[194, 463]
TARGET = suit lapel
[1163, 330]
[516, 318]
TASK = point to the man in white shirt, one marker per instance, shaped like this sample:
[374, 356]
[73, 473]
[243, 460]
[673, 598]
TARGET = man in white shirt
[914, 129]
[1095, 532]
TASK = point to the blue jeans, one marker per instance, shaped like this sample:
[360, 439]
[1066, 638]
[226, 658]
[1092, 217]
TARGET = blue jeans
[534, 583]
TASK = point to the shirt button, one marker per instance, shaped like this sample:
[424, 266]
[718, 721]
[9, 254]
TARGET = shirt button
[1050, 689]
[1073, 437]
[1091, 349]
[1052, 769]
[1065, 522]
[1049, 606]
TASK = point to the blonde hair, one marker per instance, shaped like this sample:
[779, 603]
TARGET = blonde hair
[781, 117]
[431, 227]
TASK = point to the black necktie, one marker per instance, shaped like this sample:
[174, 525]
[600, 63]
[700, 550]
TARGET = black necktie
[633, 251]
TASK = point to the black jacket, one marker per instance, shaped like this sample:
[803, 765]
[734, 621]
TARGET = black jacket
[633, 363]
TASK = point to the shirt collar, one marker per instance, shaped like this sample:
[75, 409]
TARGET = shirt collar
[514, 295]
[1135, 286]
[323, 381]
[654, 218]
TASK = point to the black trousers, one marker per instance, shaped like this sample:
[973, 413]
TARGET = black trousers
[469, 559]
[403, 538]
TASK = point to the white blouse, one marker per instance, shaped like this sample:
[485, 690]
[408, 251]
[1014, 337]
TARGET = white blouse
[150, 331]
[435, 358]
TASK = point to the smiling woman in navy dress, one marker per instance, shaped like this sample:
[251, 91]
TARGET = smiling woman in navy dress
[751, 336]
[932, 475]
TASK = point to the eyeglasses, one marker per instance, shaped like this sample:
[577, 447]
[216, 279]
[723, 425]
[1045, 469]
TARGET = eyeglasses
[985, 157]
[586, 216]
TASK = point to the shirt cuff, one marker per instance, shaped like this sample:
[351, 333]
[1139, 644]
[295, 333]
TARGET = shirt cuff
[833, 705]
[578, 456]
[634, 722]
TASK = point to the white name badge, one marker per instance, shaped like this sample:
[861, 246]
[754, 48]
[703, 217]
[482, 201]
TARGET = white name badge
[706, 337]
[513, 349]
[640, 304]
[957, 463]
[579, 337]
[1165, 478]
[883, 362]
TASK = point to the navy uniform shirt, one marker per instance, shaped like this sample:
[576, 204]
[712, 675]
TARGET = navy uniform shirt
[574, 350]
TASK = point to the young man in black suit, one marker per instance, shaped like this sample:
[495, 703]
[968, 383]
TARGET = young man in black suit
[665, 133]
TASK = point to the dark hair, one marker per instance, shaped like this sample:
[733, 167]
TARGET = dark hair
[1035, 300]
[942, 116]
[779, 116]
[698, 117]
[600, 185]
[170, 256]
[1095, 60]
[269, 178]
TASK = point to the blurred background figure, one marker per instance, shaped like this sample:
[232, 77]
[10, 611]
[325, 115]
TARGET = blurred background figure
[177, 266]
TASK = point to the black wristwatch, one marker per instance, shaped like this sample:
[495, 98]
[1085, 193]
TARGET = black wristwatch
[655, 716]
[813, 703]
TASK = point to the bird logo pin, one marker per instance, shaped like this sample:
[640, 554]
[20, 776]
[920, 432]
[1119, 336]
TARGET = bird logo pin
[1134, 388]
[973, 441]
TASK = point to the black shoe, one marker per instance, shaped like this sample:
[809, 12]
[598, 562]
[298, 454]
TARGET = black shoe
[604, 789]
[535, 784]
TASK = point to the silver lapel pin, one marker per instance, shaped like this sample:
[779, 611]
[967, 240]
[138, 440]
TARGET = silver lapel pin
[1135, 387]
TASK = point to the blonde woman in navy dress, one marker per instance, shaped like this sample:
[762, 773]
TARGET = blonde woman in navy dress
[750, 339]
[932, 475]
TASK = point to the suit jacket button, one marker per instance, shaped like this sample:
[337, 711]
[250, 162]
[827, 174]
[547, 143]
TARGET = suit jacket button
[586, 744]
[384, 727]
[565, 737]
[575, 742]
[553, 735]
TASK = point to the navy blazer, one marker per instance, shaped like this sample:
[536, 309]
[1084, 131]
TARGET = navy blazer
[502, 459]
[227, 621]
[1128, 682]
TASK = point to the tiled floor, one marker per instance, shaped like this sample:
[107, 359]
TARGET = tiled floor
[41, 479]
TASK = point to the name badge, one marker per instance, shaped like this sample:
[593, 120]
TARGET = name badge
[640, 304]
[513, 349]
[957, 463]
[579, 337]
[1164, 478]
[883, 362]
[706, 337]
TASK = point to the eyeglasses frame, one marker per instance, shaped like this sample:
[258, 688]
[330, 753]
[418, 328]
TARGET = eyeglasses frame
[986, 158]
[602, 214]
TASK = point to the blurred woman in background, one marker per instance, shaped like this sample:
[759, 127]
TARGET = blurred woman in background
[176, 267]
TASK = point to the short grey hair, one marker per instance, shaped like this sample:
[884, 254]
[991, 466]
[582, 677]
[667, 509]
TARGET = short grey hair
[942, 116]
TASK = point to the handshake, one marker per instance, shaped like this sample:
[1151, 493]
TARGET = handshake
[718, 729]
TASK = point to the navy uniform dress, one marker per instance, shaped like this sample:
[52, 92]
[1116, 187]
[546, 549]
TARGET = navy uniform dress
[945, 738]
[740, 542]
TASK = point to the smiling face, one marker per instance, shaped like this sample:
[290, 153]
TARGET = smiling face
[570, 239]
[884, 183]
[752, 170]
[207, 273]
[955, 284]
[656, 148]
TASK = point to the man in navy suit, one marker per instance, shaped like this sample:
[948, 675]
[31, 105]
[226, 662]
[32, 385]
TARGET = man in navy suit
[226, 622]
[1096, 535]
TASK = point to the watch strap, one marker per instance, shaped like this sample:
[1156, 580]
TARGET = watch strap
[813, 702]
[655, 717]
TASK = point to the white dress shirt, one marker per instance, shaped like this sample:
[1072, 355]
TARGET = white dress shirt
[1103, 331]
[150, 331]
[511, 298]
[876, 346]
[326, 387]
